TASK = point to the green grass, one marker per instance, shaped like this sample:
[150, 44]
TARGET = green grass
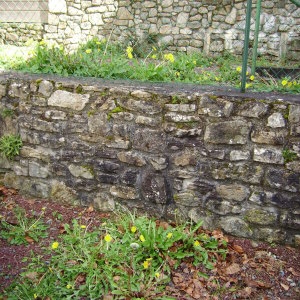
[128, 257]
[143, 61]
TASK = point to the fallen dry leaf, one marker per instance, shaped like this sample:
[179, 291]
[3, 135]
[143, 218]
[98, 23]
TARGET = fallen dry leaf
[285, 287]
[29, 239]
[31, 275]
[238, 249]
[233, 269]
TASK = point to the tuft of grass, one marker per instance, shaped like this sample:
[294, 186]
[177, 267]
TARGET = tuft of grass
[10, 145]
[26, 230]
[129, 257]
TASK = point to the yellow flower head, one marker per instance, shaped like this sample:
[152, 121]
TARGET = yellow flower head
[133, 229]
[55, 245]
[35, 296]
[88, 51]
[217, 79]
[157, 275]
[129, 51]
[239, 69]
[284, 82]
[69, 286]
[42, 42]
[194, 62]
[196, 243]
[169, 235]
[154, 49]
[169, 57]
[248, 85]
[108, 238]
[142, 238]
[146, 264]
[154, 56]
[82, 226]
[252, 77]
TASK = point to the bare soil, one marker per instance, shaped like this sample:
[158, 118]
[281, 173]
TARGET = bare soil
[252, 270]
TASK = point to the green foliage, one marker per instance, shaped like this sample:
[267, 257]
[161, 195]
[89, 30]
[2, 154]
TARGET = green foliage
[6, 112]
[26, 229]
[10, 145]
[114, 111]
[129, 257]
[144, 59]
[289, 155]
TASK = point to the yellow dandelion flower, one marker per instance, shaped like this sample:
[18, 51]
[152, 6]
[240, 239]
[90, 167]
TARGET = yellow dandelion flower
[248, 85]
[129, 51]
[146, 264]
[194, 62]
[196, 243]
[177, 74]
[239, 69]
[42, 42]
[43, 208]
[169, 57]
[88, 51]
[98, 43]
[153, 48]
[133, 229]
[149, 259]
[69, 286]
[284, 82]
[252, 77]
[154, 56]
[82, 226]
[217, 79]
[108, 238]
[55, 245]
[142, 238]
[35, 296]
[169, 235]
[157, 275]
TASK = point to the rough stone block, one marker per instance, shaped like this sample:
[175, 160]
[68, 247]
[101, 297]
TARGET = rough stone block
[233, 192]
[276, 120]
[145, 107]
[231, 132]
[81, 171]
[132, 158]
[282, 179]
[215, 107]
[261, 217]
[261, 136]
[253, 109]
[123, 192]
[37, 170]
[236, 226]
[236, 155]
[149, 140]
[69, 100]
[179, 118]
[268, 155]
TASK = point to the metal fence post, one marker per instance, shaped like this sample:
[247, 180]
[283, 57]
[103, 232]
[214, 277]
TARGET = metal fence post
[246, 45]
[257, 23]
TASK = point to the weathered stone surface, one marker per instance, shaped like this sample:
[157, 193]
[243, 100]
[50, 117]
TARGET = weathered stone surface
[179, 118]
[185, 108]
[215, 107]
[81, 171]
[231, 132]
[104, 203]
[41, 153]
[261, 217]
[68, 100]
[236, 226]
[45, 88]
[37, 170]
[270, 155]
[62, 193]
[253, 109]
[146, 107]
[294, 114]
[276, 120]
[185, 199]
[158, 163]
[236, 155]
[131, 158]
[282, 179]
[234, 192]
[123, 192]
[153, 188]
[261, 136]
[149, 140]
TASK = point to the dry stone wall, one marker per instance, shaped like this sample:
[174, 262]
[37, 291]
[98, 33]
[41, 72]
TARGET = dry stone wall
[163, 149]
[209, 26]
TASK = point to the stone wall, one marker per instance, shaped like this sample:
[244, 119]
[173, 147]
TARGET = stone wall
[164, 149]
[209, 26]
[19, 34]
